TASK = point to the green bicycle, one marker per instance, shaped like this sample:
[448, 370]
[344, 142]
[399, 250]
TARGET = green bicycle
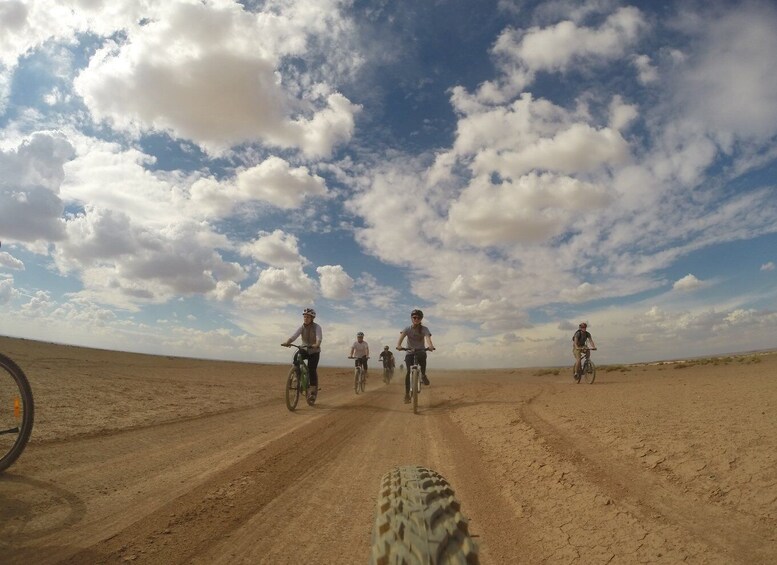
[298, 380]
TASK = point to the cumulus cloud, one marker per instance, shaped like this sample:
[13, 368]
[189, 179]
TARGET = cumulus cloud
[6, 289]
[209, 73]
[30, 205]
[277, 249]
[278, 287]
[335, 283]
[768, 266]
[10, 262]
[688, 283]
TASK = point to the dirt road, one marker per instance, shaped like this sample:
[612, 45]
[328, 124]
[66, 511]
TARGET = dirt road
[200, 462]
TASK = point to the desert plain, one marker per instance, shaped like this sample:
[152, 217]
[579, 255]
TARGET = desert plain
[149, 459]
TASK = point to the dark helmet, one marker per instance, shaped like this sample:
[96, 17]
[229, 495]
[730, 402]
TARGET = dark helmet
[582, 325]
[385, 348]
[417, 312]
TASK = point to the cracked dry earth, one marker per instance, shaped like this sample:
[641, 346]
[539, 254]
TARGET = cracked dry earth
[142, 459]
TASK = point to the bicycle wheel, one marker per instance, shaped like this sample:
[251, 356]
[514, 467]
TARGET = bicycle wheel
[589, 372]
[419, 521]
[386, 376]
[292, 389]
[363, 381]
[356, 379]
[414, 389]
[16, 412]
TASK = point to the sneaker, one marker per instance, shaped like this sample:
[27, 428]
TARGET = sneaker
[425, 380]
[407, 399]
[312, 393]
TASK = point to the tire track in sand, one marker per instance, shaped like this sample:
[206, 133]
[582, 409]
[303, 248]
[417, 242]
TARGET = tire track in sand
[644, 493]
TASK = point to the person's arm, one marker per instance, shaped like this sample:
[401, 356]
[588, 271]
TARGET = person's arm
[591, 339]
[367, 350]
[319, 336]
[294, 336]
[353, 350]
[402, 335]
[429, 343]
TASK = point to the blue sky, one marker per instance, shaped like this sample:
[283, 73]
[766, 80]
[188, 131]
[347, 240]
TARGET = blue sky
[184, 177]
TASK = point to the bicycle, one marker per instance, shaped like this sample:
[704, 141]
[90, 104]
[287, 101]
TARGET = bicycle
[415, 376]
[298, 380]
[388, 372]
[359, 380]
[587, 367]
[17, 411]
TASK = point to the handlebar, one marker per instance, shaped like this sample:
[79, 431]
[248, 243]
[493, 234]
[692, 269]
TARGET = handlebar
[300, 347]
[414, 350]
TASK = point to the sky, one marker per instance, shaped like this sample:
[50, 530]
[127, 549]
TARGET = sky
[183, 177]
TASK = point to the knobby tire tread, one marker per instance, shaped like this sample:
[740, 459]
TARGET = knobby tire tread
[419, 521]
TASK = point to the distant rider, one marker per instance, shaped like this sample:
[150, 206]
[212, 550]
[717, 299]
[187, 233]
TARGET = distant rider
[416, 334]
[387, 357]
[579, 342]
[360, 351]
[311, 336]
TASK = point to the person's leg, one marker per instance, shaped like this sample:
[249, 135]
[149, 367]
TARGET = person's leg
[408, 363]
[313, 366]
[422, 361]
[577, 353]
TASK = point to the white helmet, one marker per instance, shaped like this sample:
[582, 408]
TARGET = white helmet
[309, 312]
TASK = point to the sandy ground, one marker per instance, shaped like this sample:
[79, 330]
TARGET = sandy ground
[166, 460]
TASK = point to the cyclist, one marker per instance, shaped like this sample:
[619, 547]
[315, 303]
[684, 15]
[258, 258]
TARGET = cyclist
[579, 342]
[311, 336]
[416, 334]
[388, 358]
[360, 351]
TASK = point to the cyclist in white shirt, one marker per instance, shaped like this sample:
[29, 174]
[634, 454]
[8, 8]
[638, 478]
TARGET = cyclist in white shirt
[360, 350]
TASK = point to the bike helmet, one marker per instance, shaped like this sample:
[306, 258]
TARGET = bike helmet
[360, 334]
[582, 325]
[417, 312]
[309, 312]
[385, 348]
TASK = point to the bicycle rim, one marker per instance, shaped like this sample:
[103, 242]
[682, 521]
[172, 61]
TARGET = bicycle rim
[590, 373]
[363, 382]
[292, 389]
[16, 412]
[356, 380]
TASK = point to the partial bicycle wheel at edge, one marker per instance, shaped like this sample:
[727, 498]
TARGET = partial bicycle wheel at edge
[419, 521]
[16, 412]
[292, 389]
[589, 374]
[414, 389]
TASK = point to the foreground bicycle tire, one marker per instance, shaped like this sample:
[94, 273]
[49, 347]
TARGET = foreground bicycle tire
[292, 389]
[17, 411]
[419, 521]
[589, 372]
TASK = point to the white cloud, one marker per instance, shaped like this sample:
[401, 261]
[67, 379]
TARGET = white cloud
[277, 287]
[768, 266]
[335, 283]
[30, 177]
[728, 85]
[276, 249]
[688, 283]
[534, 208]
[10, 262]
[210, 73]
[6, 289]
[276, 182]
